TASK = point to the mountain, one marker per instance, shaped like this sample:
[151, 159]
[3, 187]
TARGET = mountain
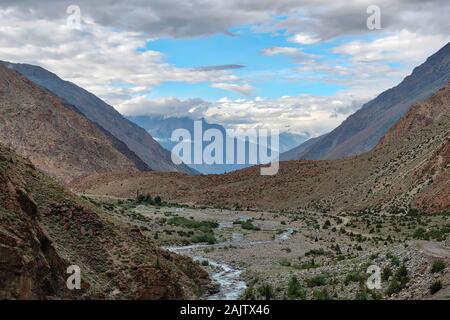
[135, 138]
[44, 229]
[408, 168]
[161, 129]
[362, 130]
[54, 135]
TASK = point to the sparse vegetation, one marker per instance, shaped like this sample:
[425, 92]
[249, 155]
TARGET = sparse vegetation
[435, 286]
[294, 290]
[438, 266]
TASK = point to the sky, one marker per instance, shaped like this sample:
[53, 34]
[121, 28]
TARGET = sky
[295, 65]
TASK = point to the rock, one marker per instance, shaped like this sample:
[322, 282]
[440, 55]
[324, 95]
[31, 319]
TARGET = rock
[26, 202]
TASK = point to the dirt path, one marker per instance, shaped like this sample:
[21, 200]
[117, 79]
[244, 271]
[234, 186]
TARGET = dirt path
[435, 249]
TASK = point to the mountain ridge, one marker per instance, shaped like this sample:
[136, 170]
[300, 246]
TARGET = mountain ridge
[398, 173]
[362, 130]
[96, 110]
[55, 135]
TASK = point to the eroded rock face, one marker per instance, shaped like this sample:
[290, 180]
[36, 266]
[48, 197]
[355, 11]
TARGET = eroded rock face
[447, 242]
[30, 268]
[44, 229]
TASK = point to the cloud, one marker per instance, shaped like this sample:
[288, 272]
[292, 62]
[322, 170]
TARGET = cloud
[300, 114]
[400, 46]
[105, 61]
[303, 38]
[106, 56]
[173, 107]
[309, 114]
[244, 89]
[220, 67]
[327, 20]
[191, 18]
[162, 18]
[293, 52]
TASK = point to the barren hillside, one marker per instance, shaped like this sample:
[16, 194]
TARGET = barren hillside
[54, 135]
[44, 229]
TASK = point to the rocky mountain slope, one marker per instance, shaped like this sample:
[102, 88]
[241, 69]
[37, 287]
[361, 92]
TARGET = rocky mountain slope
[54, 135]
[410, 167]
[44, 229]
[134, 137]
[362, 130]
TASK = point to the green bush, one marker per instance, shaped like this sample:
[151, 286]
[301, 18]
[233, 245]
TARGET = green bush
[144, 199]
[266, 291]
[394, 287]
[294, 290]
[206, 237]
[192, 224]
[321, 294]
[435, 287]
[247, 225]
[317, 281]
[248, 294]
[315, 252]
[386, 273]
[399, 281]
[354, 276]
[438, 266]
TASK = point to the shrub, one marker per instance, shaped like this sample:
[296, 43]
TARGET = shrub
[248, 294]
[144, 199]
[321, 294]
[192, 224]
[315, 252]
[294, 290]
[248, 225]
[206, 237]
[317, 281]
[386, 273]
[437, 266]
[394, 287]
[266, 291]
[402, 274]
[399, 281]
[353, 276]
[435, 287]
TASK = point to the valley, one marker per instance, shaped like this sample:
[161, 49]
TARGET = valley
[297, 255]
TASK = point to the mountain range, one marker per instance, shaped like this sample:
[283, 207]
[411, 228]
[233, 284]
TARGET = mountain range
[104, 116]
[362, 130]
[161, 128]
[54, 134]
[409, 167]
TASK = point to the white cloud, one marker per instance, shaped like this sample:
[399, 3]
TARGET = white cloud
[403, 46]
[102, 60]
[303, 38]
[303, 113]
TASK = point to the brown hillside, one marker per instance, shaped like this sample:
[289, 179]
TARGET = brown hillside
[57, 138]
[44, 229]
